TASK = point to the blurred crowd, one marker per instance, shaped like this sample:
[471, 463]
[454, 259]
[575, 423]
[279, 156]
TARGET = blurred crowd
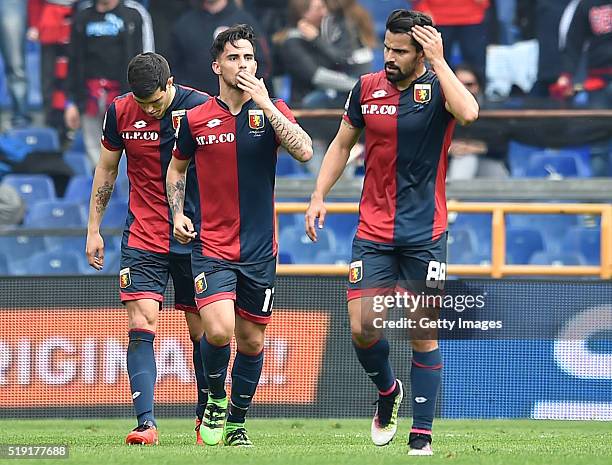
[518, 53]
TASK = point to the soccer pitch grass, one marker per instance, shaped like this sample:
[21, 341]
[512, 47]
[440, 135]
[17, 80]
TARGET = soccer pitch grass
[307, 441]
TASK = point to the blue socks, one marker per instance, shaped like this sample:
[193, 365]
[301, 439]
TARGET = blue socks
[425, 377]
[245, 377]
[375, 361]
[142, 372]
[216, 360]
[201, 383]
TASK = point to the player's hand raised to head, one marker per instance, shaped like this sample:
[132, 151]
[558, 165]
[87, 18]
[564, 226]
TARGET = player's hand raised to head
[254, 87]
[183, 229]
[431, 41]
[316, 209]
[94, 249]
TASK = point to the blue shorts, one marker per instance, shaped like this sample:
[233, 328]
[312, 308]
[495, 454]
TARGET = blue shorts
[250, 286]
[384, 268]
[144, 275]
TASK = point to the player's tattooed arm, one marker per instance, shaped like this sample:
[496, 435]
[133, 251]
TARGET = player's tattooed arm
[297, 142]
[103, 195]
[176, 195]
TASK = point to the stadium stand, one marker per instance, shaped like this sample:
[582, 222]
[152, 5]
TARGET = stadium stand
[31, 187]
[38, 138]
[54, 263]
[55, 214]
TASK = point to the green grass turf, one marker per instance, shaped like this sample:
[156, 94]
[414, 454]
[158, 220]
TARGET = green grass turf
[320, 442]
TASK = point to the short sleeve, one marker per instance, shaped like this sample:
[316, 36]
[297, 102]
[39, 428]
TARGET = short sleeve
[285, 110]
[184, 146]
[352, 113]
[111, 139]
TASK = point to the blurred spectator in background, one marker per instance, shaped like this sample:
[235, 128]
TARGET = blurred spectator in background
[164, 13]
[508, 32]
[13, 19]
[105, 36]
[193, 34]
[312, 63]
[461, 22]
[271, 14]
[50, 22]
[350, 30]
[588, 23]
[547, 17]
[478, 150]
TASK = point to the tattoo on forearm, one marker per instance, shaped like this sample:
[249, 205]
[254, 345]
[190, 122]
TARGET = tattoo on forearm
[176, 195]
[292, 136]
[103, 196]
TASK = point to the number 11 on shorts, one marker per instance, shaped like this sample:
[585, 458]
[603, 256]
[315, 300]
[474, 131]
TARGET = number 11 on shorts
[268, 301]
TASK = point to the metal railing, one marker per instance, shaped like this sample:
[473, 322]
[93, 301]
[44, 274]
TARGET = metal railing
[498, 267]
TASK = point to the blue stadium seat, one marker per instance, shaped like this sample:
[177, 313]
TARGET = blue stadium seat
[31, 187]
[328, 257]
[20, 247]
[55, 214]
[4, 268]
[115, 214]
[586, 241]
[343, 226]
[521, 244]
[554, 165]
[286, 166]
[557, 259]
[478, 223]
[285, 258]
[553, 227]
[380, 9]
[74, 243]
[294, 240]
[53, 263]
[38, 138]
[111, 264]
[518, 157]
[462, 244]
[79, 189]
[79, 162]
[78, 144]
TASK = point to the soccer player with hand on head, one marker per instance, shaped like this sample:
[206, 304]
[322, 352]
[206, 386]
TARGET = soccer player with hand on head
[233, 140]
[142, 123]
[408, 113]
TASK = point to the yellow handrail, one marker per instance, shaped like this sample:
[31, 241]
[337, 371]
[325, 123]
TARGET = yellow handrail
[498, 267]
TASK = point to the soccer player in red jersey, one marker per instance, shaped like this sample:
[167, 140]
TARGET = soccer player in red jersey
[142, 123]
[408, 113]
[233, 140]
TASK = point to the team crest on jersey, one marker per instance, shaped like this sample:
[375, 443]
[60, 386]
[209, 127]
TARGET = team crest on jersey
[125, 279]
[422, 93]
[200, 283]
[176, 118]
[356, 272]
[256, 119]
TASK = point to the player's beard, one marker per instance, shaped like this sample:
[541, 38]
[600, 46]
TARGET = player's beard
[396, 74]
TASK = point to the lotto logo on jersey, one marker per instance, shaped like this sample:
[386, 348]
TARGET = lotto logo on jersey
[200, 283]
[125, 280]
[372, 109]
[176, 118]
[256, 119]
[356, 272]
[422, 93]
[210, 139]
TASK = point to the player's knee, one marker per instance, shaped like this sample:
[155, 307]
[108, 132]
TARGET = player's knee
[250, 345]
[143, 321]
[424, 345]
[218, 338]
[364, 334]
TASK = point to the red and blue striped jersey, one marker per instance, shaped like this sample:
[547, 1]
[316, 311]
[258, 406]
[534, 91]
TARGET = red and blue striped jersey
[148, 144]
[235, 161]
[407, 136]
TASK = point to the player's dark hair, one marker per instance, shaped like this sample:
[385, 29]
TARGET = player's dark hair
[402, 21]
[148, 72]
[232, 35]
